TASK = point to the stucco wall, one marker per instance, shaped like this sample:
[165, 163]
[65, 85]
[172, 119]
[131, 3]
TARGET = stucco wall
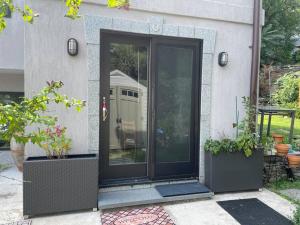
[12, 42]
[47, 58]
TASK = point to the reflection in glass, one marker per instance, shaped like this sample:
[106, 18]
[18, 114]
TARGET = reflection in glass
[174, 98]
[128, 104]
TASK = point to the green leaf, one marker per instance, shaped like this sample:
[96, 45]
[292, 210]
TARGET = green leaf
[117, 3]
[28, 14]
[2, 24]
[73, 8]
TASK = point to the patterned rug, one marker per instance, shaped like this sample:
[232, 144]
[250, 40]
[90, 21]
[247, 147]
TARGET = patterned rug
[155, 215]
[23, 222]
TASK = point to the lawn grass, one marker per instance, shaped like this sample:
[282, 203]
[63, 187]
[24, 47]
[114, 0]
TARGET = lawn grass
[284, 184]
[281, 125]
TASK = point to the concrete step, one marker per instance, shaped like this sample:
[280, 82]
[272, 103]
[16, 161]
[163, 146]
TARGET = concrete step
[109, 199]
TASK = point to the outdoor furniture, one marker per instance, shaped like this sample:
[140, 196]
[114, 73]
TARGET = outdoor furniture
[270, 111]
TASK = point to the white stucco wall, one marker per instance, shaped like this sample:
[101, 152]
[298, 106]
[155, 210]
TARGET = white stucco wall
[12, 42]
[47, 58]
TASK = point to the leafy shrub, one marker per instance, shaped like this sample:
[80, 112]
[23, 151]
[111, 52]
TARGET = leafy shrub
[218, 146]
[296, 219]
[287, 93]
[288, 90]
[54, 141]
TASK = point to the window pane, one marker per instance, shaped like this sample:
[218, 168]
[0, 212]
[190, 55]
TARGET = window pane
[124, 92]
[128, 115]
[174, 82]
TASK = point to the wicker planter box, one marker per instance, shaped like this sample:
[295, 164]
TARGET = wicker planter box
[54, 186]
[229, 172]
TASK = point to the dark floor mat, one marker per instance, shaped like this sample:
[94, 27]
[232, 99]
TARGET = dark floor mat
[181, 189]
[253, 212]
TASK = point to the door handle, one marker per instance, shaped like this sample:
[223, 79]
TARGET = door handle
[104, 110]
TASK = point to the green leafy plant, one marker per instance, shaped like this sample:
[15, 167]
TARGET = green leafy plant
[218, 146]
[25, 11]
[28, 14]
[287, 92]
[288, 89]
[296, 217]
[268, 143]
[53, 140]
[281, 24]
[17, 117]
[246, 140]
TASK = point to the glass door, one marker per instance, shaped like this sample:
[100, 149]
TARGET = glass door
[124, 107]
[149, 107]
[177, 79]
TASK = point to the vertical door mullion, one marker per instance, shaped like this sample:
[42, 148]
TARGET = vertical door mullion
[152, 107]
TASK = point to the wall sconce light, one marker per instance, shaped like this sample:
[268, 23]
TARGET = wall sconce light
[223, 59]
[72, 47]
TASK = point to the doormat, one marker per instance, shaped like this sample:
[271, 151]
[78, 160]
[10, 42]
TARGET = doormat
[169, 190]
[23, 222]
[155, 215]
[253, 212]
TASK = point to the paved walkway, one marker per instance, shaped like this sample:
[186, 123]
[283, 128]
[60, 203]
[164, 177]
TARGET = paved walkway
[206, 212]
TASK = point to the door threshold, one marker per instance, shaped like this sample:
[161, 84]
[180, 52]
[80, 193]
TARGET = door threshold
[141, 195]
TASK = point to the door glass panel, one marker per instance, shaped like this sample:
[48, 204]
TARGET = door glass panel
[174, 98]
[128, 104]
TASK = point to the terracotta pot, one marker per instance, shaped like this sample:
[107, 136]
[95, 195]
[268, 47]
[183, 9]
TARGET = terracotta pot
[17, 152]
[282, 149]
[277, 138]
[294, 160]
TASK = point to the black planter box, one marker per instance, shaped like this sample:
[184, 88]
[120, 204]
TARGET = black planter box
[60, 185]
[229, 172]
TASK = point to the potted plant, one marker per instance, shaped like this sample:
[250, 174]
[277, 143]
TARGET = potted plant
[282, 149]
[16, 117]
[235, 165]
[277, 138]
[59, 182]
[293, 160]
[56, 181]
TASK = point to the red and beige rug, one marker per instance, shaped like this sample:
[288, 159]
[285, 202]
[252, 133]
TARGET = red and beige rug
[155, 215]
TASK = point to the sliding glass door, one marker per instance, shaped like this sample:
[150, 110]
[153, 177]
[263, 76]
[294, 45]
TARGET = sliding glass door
[149, 94]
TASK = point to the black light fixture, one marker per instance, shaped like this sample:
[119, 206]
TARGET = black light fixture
[72, 47]
[223, 59]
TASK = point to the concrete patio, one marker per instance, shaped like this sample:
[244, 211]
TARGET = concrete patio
[206, 212]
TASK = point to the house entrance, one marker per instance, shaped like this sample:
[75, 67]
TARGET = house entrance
[149, 107]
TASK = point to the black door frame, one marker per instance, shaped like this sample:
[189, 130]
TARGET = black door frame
[125, 37]
[128, 171]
